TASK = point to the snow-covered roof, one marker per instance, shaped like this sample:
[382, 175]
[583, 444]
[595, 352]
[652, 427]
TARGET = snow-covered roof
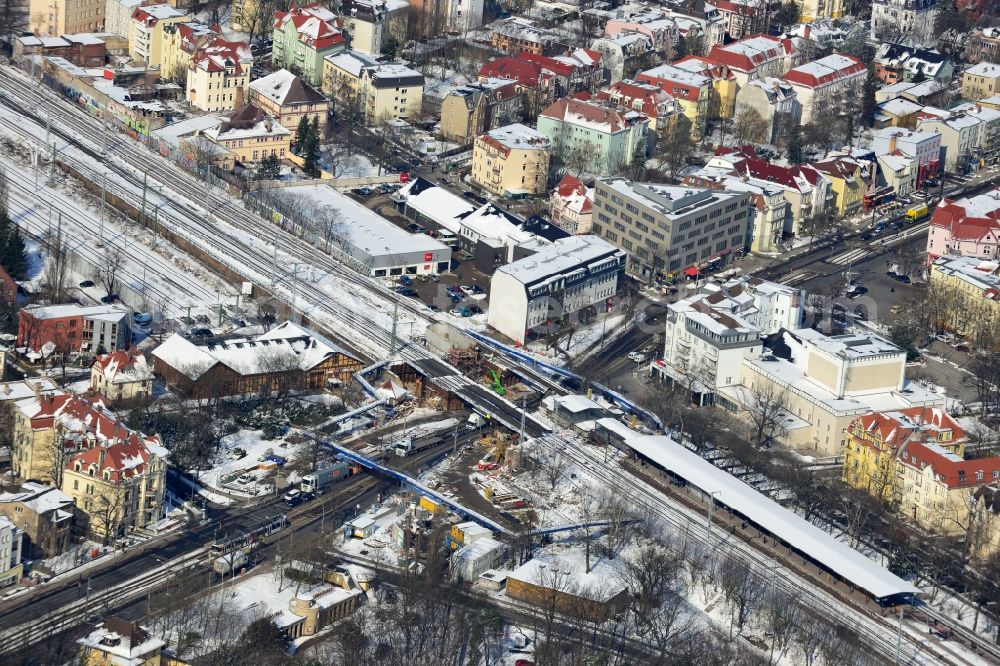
[174, 132]
[436, 203]
[984, 69]
[801, 534]
[575, 403]
[850, 346]
[978, 272]
[565, 569]
[125, 643]
[900, 107]
[519, 137]
[282, 348]
[39, 498]
[564, 256]
[363, 232]
[41, 312]
[284, 88]
[352, 62]
[26, 388]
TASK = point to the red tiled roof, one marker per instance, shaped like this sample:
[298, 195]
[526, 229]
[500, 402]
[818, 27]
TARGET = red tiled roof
[311, 29]
[515, 69]
[124, 459]
[565, 108]
[950, 214]
[736, 57]
[218, 54]
[626, 92]
[806, 75]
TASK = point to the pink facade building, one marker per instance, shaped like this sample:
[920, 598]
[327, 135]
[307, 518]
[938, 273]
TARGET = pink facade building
[966, 227]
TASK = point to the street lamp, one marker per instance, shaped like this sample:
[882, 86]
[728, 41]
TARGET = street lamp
[711, 509]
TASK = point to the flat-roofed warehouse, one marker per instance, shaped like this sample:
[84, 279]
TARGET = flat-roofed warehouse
[376, 246]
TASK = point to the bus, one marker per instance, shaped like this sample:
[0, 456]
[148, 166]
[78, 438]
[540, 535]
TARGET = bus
[917, 213]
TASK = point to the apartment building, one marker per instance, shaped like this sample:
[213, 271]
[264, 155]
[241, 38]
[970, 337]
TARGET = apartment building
[846, 183]
[924, 147]
[250, 135]
[546, 78]
[303, 37]
[660, 108]
[65, 17]
[118, 16]
[218, 77]
[981, 80]
[517, 34]
[757, 57]
[288, 98]
[988, 151]
[816, 385]
[571, 205]
[771, 208]
[810, 10]
[722, 103]
[512, 161]
[570, 275]
[600, 136]
[478, 107]
[122, 377]
[11, 568]
[959, 133]
[983, 44]
[827, 83]
[621, 52]
[895, 63]
[693, 91]
[967, 227]
[914, 460]
[89, 329]
[365, 22]
[899, 19]
[772, 99]
[379, 91]
[969, 288]
[661, 30]
[666, 228]
[146, 32]
[711, 332]
[180, 42]
[45, 515]
[743, 17]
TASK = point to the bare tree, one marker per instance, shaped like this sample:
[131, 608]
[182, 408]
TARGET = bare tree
[749, 127]
[554, 467]
[744, 592]
[109, 270]
[766, 407]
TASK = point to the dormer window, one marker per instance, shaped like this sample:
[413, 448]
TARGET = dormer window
[107, 475]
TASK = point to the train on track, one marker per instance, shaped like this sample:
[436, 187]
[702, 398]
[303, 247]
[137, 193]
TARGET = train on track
[250, 537]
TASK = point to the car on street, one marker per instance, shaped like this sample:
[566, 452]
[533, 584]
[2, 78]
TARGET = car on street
[866, 236]
[456, 298]
[856, 291]
[142, 318]
[415, 229]
[905, 279]
[469, 194]
[293, 497]
[110, 298]
[202, 332]
[362, 191]
[898, 224]
[476, 310]
[86, 284]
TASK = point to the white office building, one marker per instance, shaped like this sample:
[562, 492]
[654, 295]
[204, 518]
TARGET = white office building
[560, 279]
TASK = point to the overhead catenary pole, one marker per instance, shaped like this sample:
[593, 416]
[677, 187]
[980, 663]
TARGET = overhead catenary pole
[145, 186]
[395, 322]
[104, 206]
[295, 290]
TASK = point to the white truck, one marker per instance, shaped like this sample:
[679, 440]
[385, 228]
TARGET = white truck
[316, 481]
[231, 562]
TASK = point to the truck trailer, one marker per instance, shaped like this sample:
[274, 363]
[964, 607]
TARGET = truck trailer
[318, 480]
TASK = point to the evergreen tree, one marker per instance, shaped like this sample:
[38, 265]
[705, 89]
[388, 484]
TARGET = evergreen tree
[949, 18]
[795, 143]
[269, 168]
[310, 151]
[681, 48]
[301, 134]
[14, 259]
[868, 102]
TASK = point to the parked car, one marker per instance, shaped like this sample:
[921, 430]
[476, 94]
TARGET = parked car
[866, 236]
[276, 459]
[86, 284]
[293, 497]
[469, 194]
[898, 224]
[142, 318]
[415, 229]
[905, 279]
[636, 356]
[456, 298]
[406, 281]
[202, 332]
[476, 310]
[110, 298]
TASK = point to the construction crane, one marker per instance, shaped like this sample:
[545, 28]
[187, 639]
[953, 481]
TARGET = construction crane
[497, 384]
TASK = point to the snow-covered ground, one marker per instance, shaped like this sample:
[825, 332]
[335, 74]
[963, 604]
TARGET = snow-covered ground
[228, 465]
[438, 83]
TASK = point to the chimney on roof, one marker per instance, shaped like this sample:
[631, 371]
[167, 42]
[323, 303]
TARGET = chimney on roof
[806, 31]
[892, 143]
[38, 390]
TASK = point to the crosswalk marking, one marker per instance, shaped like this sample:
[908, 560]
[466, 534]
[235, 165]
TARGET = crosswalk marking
[799, 278]
[849, 257]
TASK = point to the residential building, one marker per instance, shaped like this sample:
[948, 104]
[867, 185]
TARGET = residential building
[967, 227]
[365, 22]
[990, 102]
[83, 49]
[544, 79]
[380, 92]
[757, 57]
[896, 62]
[810, 10]
[666, 228]
[286, 97]
[90, 329]
[913, 460]
[512, 161]
[959, 137]
[464, 15]
[698, 17]
[983, 44]
[118, 641]
[219, 75]
[659, 107]
[65, 17]
[517, 34]
[988, 151]
[815, 385]
[912, 20]
[722, 102]
[981, 80]
[478, 107]
[807, 190]
[771, 208]
[285, 358]
[8, 287]
[249, 13]
[571, 206]
[846, 183]
[898, 173]
[603, 138]
[117, 16]
[597, 594]
[661, 30]
[44, 513]
[926, 93]
[621, 52]
[827, 83]
[122, 377]
[180, 42]
[925, 147]
[897, 112]
[743, 17]
[711, 332]
[250, 135]
[559, 281]
[11, 568]
[693, 91]
[774, 100]
[303, 37]
[968, 292]
[146, 32]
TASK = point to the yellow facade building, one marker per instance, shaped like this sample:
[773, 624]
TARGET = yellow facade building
[65, 17]
[146, 32]
[219, 75]
[250, 135]
[810, 10]
[180, 42]
[846, 184]
[122, 377]
[968, 288]
[373, 91]
[981, 80]
[117, 641]
[288, 98]
[511, 161]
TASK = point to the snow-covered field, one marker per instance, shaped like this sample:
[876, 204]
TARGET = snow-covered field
[227, 464]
